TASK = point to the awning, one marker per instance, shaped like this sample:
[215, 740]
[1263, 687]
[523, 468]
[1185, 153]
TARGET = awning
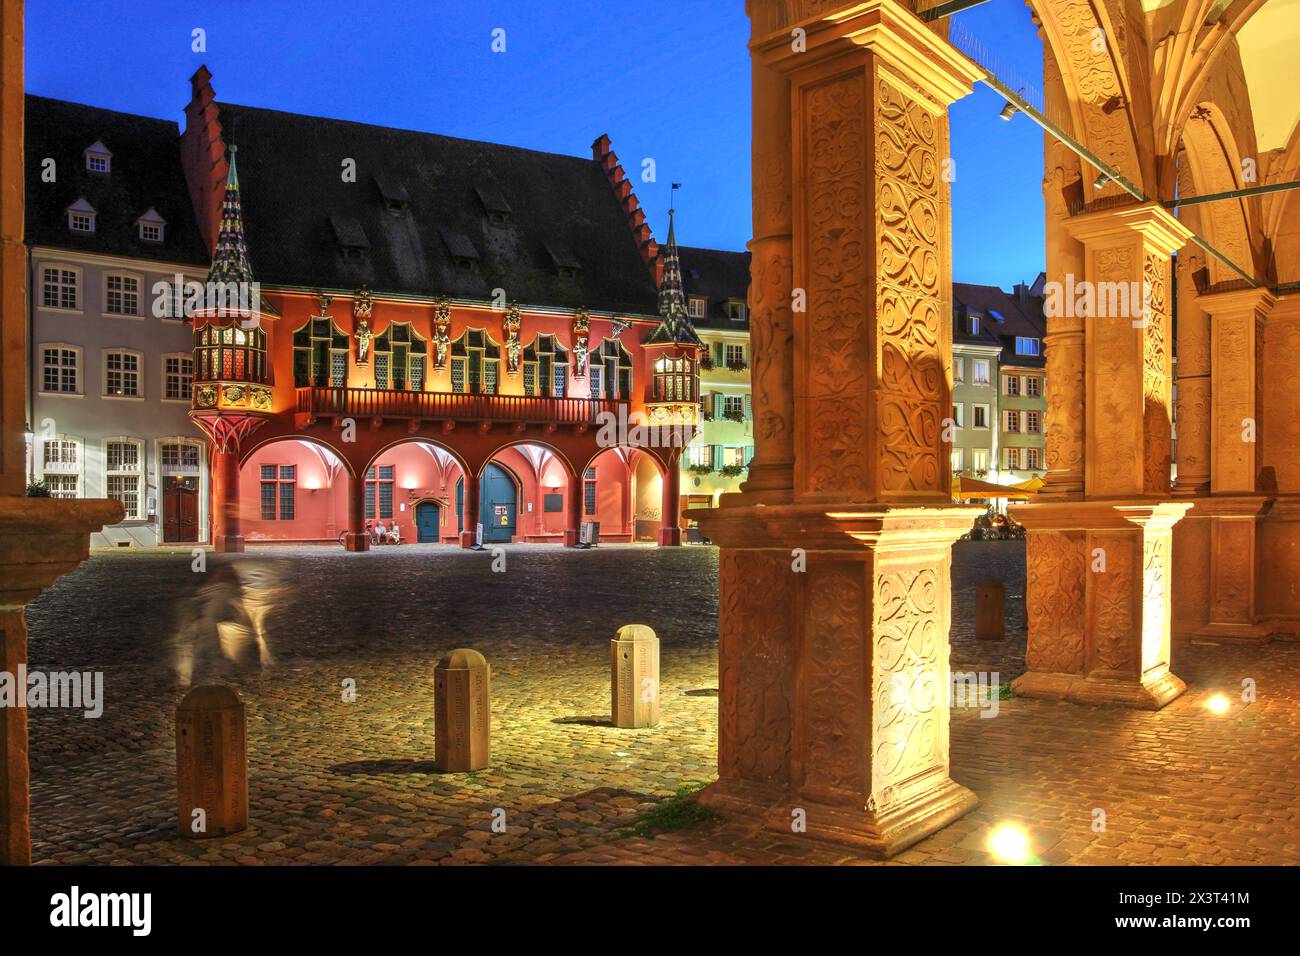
[974, 488]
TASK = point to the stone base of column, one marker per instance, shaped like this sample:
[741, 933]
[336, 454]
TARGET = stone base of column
[1099, 587]
[468, 539]
[670, 537]
[1216, 588]
[356, 541]
[833, 671]
[769, 484]
[228, 543]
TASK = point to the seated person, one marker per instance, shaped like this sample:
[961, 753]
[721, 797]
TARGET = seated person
[394, 535]
[381, 532]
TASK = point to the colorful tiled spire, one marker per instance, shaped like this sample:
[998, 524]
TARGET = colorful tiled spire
[675, 326]
[230, 257]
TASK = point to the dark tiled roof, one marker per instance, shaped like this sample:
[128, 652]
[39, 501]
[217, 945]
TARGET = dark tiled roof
[441, 216]
[145, 171]
[1008, 317]
[717, 275]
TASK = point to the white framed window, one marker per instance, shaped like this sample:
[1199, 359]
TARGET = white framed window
[699, 454]
[61, 466]
[733, 457]
[974, 326]
[98, 158]
[1027, 346]
[980, 459]
[957, 459]
[733, 407]
[696, 306]
[1013, 458]
[1011, 384]
[959, 415]
[81, 217]
[979, 416]
[178, 377]
[959, 371]
[60, 369]
[124, 474]
[122, 294]
[1033, 459]
[1033, 423]
[151, 226]
[736, 310]
[122, 374]
[1033, 386]
[735, 354]
[60, 287]
[179, 456]
[980, 371]
[1011, 422]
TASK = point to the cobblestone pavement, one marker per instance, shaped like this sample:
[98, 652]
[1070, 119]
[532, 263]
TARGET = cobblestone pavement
[335, 782]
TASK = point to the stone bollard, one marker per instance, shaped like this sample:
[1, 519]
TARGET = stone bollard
[462, 723]
[990, 610]
[211, 763]
[634, 677]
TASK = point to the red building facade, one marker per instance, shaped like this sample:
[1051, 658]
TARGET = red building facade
[425, 322]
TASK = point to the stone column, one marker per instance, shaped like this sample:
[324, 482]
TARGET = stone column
[834, 613]
[771, 297]
[1216, 590]
[15, 844]
[226, 534]
[468, 510]
[356, 538]
[1100, 570]
[1193, 378]
[1278, 458]
[573, 511]
[670, 530]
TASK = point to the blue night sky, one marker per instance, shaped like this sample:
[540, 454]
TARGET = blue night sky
[666, 79]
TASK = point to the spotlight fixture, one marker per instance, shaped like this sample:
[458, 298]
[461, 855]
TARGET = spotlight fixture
[1008, 110]
[1009, 843]
[1218, 704]
[1101, 181]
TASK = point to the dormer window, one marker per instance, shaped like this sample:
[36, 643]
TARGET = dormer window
[462, 251]
[494, 204]
[81, 217]
[151, 226]
[1027, 346]
[392, 192]
[974, 321]
[350, 236]
[736, 310]
[696, 306]
[565, 262]
[98, 158]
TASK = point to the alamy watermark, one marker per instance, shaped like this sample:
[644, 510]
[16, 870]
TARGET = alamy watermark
[1098, 300]
[186, 298]
[633, 428]
[37, 690]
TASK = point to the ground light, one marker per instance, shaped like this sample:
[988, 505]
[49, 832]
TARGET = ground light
[1218, 704]
[1009, 843]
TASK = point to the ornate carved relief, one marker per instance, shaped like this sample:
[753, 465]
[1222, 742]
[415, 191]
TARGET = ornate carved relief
[1057, 588]
[836, 410]
[1113, 615]
[755, 666]
[910, 721]
[910, 312]
[772, 338]
[832, 677]
[1156, 565]
[1155, 376]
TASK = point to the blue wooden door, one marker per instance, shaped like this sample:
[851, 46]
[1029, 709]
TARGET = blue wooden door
[426, 522]
[497, 504]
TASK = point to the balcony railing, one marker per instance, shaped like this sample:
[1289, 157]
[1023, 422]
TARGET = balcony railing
[394, 403]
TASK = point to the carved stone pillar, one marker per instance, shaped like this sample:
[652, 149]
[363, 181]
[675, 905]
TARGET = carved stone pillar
[573, 512]
[1099, 590]
[356, 538]
[771, 296]
[1216, 591]
[469, 506]
[670, 522]
[1193, 379]
[226, 532]
[1279, 458]
[834, 615]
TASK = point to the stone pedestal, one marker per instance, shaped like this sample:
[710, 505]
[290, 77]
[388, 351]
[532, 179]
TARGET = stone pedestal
[634, 677]
[990, 610]
[1099, 592]
[41, 539]
[211, 764]
[1216, 559]
[833, 693]
[462, 724]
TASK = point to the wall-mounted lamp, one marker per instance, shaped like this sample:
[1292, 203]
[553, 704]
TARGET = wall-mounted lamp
[1008, 110]
[1101, 181]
